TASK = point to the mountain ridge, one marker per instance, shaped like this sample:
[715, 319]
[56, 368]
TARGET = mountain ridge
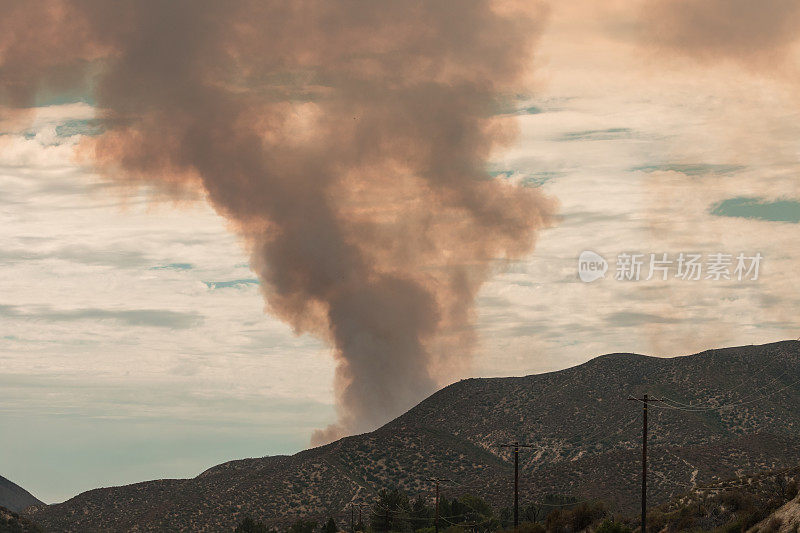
[15, 498]
[585, 433]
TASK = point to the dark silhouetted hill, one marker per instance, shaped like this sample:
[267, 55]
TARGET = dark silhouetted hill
[14, 497]
[731, 410]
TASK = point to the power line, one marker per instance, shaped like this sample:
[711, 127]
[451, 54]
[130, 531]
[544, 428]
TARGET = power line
[747, 401]
[747, 380]
[748, 481]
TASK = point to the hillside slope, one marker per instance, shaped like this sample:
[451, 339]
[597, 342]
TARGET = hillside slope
[11, 522]
[14, 497]
[744, 416]
[784, 520]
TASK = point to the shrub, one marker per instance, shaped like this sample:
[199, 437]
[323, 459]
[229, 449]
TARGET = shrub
[576, 519]
[531, 527]
[736, 500]
[248, 525]
[609, 526]
[303, 526]
[791, 490]
[773, 526]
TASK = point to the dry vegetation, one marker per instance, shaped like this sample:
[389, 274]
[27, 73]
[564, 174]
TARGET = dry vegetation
[586, 437]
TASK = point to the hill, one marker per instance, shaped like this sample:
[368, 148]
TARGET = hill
[725, 412]
[784, 520]
[14, 497]
[11, 522]
[755, 502]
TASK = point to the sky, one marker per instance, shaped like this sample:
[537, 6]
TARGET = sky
[134, 342]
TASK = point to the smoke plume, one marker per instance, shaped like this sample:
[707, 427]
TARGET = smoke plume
[756, 34]
[345, 140]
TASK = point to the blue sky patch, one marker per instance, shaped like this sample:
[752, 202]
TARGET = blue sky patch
[174, 266]
[63, 98]
[530, 110]
[528, 179]
[233, 283]
[537, 179]
[758, 209]
[79, 127]
[696, 169]
[520, 104]
[609, 134]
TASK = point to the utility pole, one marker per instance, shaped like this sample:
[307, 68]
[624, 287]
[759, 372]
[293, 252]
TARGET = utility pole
[436, 520]
[352, 519]
[516, 446]
[645, 399]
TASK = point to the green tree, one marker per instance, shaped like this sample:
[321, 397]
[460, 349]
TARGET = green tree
[532, 513]
[576, 519]
[389, 511]
[506, 517]
[330, 526]
[476, 513]
[469, 512]
[454, 509]
[421, 513]
[248, 525]
[528, 527]
[303, 526]
[609, 526]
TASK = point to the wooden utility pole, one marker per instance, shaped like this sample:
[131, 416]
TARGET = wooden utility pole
[352, 519]
[436, 519]
[645, 399]
[516, 446]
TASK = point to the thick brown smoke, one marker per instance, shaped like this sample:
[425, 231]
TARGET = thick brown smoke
[757, 34]
[347, 140]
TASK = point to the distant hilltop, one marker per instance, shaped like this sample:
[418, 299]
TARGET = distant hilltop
[723, 412]
[15, 498]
